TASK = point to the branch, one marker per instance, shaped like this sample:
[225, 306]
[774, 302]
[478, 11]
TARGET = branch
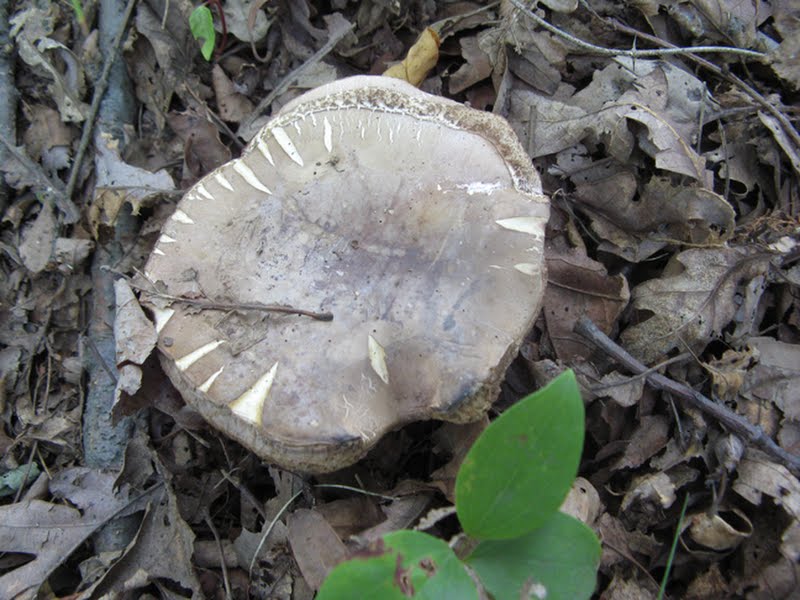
[99, 92]
[593, 49]
[733, 422]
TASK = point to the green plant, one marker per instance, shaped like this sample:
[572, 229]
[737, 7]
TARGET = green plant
[508, 491]
[201, 23]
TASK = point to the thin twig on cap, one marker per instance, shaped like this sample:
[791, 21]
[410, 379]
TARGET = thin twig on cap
[254, 306]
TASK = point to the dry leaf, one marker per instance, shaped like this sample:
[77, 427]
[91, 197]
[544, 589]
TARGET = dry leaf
[476, 68]
[38, 240]
[134, 334]
[421, 58]
[66, 96]
[691, 303]
[650, 437]
[51, 532]
[776, 377]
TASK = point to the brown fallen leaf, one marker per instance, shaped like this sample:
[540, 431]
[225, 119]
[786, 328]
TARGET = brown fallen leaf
[476, 67]
[650, 437]
[691, 303]
[653, 216]
[51, 532]
[232, 105]
[134, 333]
[160, 554]
[577, 286]
[203, 149]
[776, 377]
[315, 545]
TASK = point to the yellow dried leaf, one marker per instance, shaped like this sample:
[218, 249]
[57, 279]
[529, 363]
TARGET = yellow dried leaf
[421, 58]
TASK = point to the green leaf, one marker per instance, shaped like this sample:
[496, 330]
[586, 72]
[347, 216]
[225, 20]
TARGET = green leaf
[201, 22]
[561, 556]
[409, 563]
[520, 469]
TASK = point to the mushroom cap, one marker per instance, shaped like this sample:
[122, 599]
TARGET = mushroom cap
[416, 221]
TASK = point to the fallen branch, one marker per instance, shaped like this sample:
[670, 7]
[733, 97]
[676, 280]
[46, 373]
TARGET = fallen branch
[735, 423]
[633, 53]
[8, 108]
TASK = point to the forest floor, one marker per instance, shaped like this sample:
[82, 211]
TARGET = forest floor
[664, 134]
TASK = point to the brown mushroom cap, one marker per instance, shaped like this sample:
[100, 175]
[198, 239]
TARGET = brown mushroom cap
[416, 221]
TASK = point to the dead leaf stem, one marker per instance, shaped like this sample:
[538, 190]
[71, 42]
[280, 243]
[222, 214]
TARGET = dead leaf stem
[740, 426]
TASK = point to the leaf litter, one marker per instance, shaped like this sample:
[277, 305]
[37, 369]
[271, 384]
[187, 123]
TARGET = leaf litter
[675, 228]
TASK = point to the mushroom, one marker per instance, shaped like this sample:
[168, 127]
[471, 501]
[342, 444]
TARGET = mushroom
[417, 222]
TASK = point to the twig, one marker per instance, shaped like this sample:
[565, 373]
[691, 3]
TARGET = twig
[335, 38]
[733, 422]
[340, 486]
[599, 50]
[99, 92]
[256, 306]
[269, 529]
[215, 533]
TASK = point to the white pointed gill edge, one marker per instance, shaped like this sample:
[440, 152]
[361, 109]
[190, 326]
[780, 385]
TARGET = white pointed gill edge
[250, 405]
[377, 359]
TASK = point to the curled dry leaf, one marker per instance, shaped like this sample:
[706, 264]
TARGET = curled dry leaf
[245, 21]
[721, 531]
[421, 58]
[651, 490]
[582, 502]
[67, 97]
